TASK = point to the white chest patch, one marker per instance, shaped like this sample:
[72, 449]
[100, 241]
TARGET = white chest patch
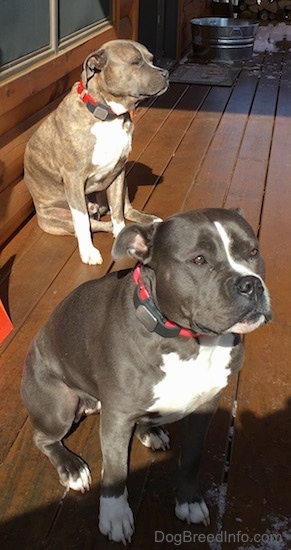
[112, 142]
[189, 384]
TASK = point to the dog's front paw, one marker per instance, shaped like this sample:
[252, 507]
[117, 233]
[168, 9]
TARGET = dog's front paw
[75, 474]
[91, 256]
[116, 518]
[155, 438]
[193, 512]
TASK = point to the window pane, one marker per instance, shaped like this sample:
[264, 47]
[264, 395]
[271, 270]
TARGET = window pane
[75, 15]
[24, 28]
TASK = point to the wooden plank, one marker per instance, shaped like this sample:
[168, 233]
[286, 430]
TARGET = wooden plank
[19, 245]
[213, 178]
[261, 455]
[175, 189]
[26, 514]
[276, 227]
[15, 200]
[13, 142]
[248, 182]
[146, 129]
[10, 120]
[16, 206]
[160, 150]
[257, 500]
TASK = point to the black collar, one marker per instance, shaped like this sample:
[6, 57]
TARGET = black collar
[150, 316]
[99, 110]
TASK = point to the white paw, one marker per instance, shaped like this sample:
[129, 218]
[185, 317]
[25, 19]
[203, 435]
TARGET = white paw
[116, 518]
[91, 256]
[117, 227]
[193, 512]
[82, 483]
[157, 438]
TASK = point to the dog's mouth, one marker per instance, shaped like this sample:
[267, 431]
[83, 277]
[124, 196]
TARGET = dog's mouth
[164, 89]
[146, 95]
[248, 323]
[251, 321]
[156, 93]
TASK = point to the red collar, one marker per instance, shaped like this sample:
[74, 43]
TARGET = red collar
[99, 110]
[150, 316]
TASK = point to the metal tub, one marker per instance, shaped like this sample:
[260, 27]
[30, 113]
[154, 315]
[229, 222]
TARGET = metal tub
[222, 38]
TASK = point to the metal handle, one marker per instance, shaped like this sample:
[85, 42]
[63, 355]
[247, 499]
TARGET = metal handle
[236, 31]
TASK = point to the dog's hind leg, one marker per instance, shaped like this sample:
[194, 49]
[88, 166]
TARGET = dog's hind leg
[133, 215]
[154, 437]
[73, 471]
[52, 409]
[97, 204]
[59, 221]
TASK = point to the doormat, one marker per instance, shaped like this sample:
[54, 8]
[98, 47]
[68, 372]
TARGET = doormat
[212, 74]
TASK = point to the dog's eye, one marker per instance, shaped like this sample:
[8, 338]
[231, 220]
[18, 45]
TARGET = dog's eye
[136, 62]
[199, 260]
[254, 252]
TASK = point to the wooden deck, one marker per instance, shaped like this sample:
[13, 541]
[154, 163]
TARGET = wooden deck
[195, 146]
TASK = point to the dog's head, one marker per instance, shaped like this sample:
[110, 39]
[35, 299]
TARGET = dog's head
[123, 71]
[206, 273]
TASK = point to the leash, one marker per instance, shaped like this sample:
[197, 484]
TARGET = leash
[150, 316]
[99, 110]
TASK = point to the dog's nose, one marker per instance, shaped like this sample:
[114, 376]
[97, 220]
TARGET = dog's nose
[250, 287]
[165, 73]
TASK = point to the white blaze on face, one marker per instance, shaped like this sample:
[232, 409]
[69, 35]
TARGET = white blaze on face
[236, 266]
[243, 270]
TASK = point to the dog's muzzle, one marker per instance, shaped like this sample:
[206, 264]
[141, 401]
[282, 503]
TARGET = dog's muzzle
[255, 295]
[250, 287]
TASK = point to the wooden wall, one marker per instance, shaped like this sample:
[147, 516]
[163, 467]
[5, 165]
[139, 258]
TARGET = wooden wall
[27, 98]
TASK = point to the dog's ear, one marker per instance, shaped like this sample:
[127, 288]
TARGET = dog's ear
[135, 240]
[238, 210]
[94, 63]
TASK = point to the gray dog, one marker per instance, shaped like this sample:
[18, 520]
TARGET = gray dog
[148, 347]
[82, 147]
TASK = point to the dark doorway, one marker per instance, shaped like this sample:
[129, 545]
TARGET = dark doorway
[158, 28]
